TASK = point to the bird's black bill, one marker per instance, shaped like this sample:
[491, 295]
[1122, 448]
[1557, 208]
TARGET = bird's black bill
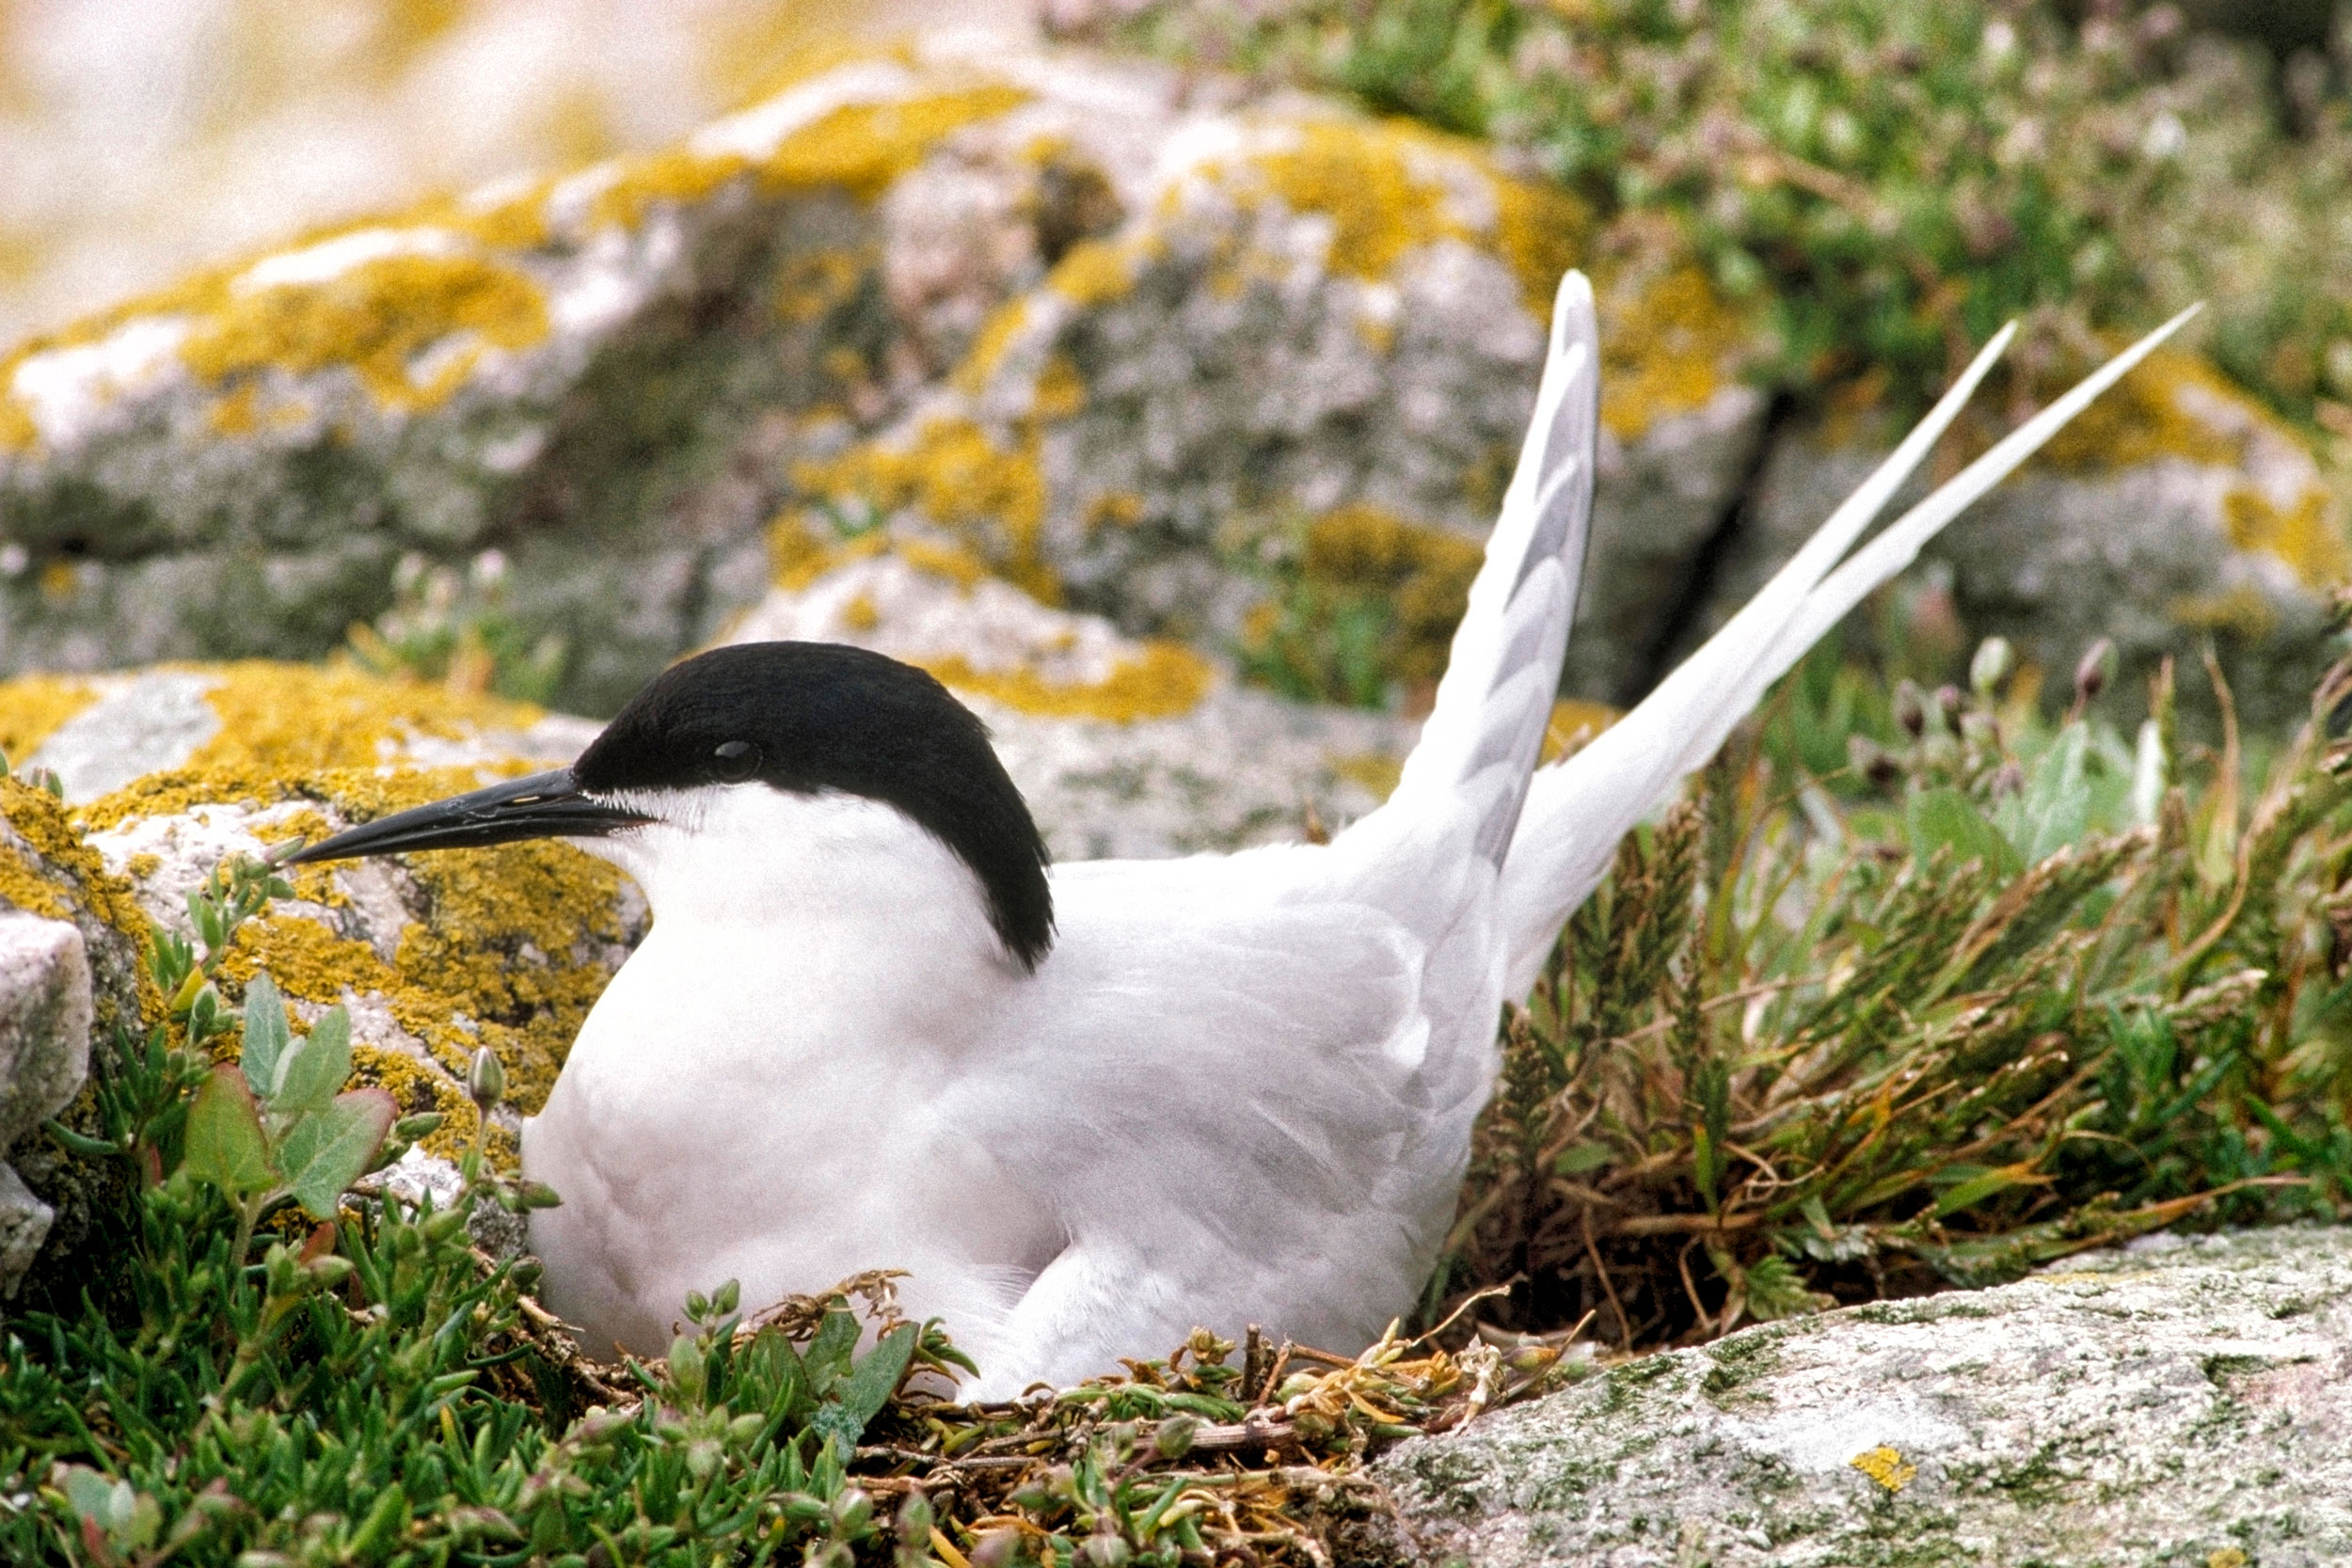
[544, 805]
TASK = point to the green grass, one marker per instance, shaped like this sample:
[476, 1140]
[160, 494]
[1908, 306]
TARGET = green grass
[1884, 180]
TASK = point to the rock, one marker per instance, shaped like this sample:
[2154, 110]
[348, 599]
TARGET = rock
[44, 1055]
[1117, 330]
[1122, 748]
[2175, 509]
[2182, 1400]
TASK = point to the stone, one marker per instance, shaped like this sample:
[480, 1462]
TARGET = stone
[1123, 748]
[1118, 329]
[44, 1055]
[2175, 510]
[2180, 1400]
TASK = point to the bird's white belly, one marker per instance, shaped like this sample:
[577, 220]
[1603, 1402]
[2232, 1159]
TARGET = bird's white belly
[715, 1122]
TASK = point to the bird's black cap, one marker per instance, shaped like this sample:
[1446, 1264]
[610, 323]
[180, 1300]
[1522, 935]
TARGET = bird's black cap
[803, 717]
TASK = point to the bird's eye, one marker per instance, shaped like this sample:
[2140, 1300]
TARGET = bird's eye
[735, 761]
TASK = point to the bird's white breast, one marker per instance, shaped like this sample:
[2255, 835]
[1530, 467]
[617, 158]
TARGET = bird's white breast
[757, 1094]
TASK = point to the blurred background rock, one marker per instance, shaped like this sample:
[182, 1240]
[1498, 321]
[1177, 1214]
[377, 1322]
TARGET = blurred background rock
[140, 139]
[1209, 320]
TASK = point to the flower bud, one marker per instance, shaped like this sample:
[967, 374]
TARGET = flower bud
[1173, 1439]
[1989, 670]
[485, 1080]
[2095, 671]
[851, 1509]
[1911, 710]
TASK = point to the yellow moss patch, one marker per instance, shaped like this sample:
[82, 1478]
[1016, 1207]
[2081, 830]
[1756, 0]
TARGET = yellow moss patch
[2305, 538]
[375, 317]
[1541, 231]
[304, 959]
[816, 284]
[509, 954]
[1573, 725]
[1663, 356]
[1374, 770]
[1165, 679]
[24, 887]
[2241, 611]
[953, 474]
[676, 175]
[1095, 272]
[298, 718]
[2140, 419]
[1114, 507]
[1886, 1466]
[800, 551]
[420, 1089]
[71, 873]
[997, 333]
[962, 567]
[1374, 182]
[862, 148]
[31, 706]
[1423, 572]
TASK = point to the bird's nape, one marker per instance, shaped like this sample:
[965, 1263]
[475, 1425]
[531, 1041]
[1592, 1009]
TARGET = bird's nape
[544, 805]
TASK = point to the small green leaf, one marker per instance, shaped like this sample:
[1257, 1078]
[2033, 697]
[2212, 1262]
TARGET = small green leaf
[827, 1357]
[224, 1143]
[1974, 1188]
[315, 1069]
[1945, 819]
[1577, 1159]
[860, 1397]
[325, 1151]
[267, 1038]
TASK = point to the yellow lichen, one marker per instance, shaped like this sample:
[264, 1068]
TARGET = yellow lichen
[677, 176]
[31, 706]
[1573, 725]
[1374, 770]
[1358, 176]
[1662, 350]
[862, 148]
[2141, 418]
[300, 718]
[1116, 508]
[816, 283]
[1541, 231]
[801, 550]
[2305, 538]
[1886, 1466]
[512, 951]
[1422, 573]
[2239, 610]
[376, 317]
[1061, 391]
[1095, 272]
[997, 333]
[1162, 681]
[962, 567]
[861, 614]
[26, 889]
[953, 474]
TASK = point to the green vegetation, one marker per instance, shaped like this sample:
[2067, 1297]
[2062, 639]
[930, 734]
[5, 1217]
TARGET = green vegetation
[1867, 1016]
[459, 632]
[1888, 181]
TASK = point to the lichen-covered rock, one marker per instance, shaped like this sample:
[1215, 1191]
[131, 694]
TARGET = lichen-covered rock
[1121, 746]
[44, 1055]
[2183, 1401]
[1109, 326]
[434, 954]
[2174, 508]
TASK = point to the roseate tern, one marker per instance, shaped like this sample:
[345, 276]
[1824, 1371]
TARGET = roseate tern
[1091, 1106]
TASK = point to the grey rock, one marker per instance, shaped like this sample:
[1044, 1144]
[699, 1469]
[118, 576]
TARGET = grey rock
[44, 1055]
[2235, 538]
[2181, 1401]
[155, 721]
[705, 329]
